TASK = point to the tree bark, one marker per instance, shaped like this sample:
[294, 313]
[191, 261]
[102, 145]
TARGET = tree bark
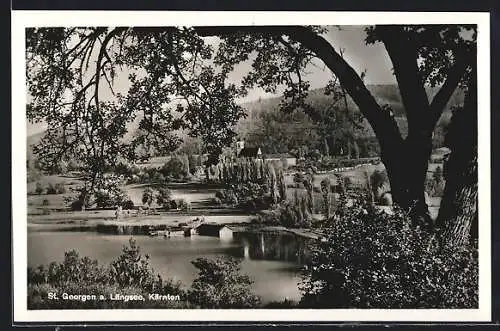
[458, 214]
[461, 222]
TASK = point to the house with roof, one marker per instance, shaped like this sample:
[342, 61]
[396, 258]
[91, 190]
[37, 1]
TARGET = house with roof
[222, 231]
[246, 152]
[250, 153]
[255, 153]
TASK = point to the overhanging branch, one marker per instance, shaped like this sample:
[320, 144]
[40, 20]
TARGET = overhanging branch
[382, 122]
[444, 94]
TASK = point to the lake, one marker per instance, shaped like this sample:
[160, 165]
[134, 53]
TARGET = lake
[272, 260]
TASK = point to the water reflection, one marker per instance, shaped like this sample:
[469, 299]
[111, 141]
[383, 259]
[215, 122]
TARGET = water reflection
[272, 246]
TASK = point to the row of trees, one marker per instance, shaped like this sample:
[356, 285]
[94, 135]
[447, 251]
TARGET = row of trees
[251, 184]
[163, 198]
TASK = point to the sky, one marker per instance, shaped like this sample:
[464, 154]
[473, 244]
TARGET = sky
[372, 59]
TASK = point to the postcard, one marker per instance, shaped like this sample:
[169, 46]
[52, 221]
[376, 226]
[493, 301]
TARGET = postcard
[251, 166]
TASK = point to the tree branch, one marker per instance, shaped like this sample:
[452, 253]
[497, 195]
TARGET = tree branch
[382, 122]
[455, 74]
[403, 54]
[102, 54]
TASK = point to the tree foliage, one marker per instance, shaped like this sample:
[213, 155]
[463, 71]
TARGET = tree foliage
[221, 285]
[392, 264]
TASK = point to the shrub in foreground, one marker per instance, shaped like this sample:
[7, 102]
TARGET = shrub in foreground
[392, 264]
[129, 274]
[221, 285]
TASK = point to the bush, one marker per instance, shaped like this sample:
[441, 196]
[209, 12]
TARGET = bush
[220, 285]
[174, 169]
[147, 196]
[76, 205]
[128, 204]
[290, 214]
[132, 269]
[298, 177]
[248, 196]
[51, 189]
[392, 265]
[183, 205]
[227, 196]
[60, 189]
[285, 303]
[72, 269]
[39, 188]
[216, 201]
[106, 199]
[33, 175]
[109, 192]
[164, 197]
[158, 178]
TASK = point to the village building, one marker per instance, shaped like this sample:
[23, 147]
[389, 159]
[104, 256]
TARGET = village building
[222, 231]
[242, 151]
[255, 153]
[250, 153]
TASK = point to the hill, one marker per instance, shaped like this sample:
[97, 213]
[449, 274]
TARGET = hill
[298, 124]
[385, 94]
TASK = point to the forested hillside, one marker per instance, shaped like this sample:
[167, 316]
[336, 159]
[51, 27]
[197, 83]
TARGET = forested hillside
[274, 131]
[278, 132]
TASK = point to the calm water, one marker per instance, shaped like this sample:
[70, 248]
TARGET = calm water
[271, 260]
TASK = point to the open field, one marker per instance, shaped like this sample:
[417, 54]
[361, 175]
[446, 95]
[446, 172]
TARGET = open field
[199, 195]
[190, 193]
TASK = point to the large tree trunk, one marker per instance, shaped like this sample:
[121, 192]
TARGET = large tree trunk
[406, 166]
[418, 149]
[458, 215]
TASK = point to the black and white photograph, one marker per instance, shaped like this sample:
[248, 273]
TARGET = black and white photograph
[228, 166]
